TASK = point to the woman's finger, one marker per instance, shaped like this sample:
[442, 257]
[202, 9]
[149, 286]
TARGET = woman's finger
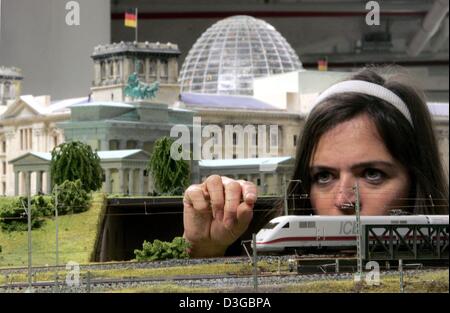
[244, 216]
[195, 198]
[215, 189]
[249, 191]
[233, 194]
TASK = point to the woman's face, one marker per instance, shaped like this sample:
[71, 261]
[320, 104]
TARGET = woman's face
[354, 152]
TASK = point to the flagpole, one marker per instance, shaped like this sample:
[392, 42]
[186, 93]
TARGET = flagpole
[136, 30]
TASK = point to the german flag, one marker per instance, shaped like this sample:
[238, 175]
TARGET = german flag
[322, 64]
[131, 18]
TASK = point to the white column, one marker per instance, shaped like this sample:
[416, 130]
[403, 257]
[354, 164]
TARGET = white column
[158, 69]
[277, 182]
[262, 178]
[131, 181]
[115, 71]
[30, 140]
[121, 181]
[97, 73]
[22, 142]
[16, 182]
[108, 180]
[147, 69]
[107, 65]
[141, 181]
[39, 182]
[49, 182]
[23, 182]
[28, 183]
[151, 186]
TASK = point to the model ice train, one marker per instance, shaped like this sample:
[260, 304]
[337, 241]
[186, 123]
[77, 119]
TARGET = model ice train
[291, 232]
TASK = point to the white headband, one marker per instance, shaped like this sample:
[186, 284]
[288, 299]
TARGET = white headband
[370, 89]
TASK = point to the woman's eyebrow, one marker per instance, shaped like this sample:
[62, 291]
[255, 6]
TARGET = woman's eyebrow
[320, 168]
[374, 163]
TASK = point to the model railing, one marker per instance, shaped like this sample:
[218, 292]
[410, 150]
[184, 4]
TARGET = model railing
[413, 241]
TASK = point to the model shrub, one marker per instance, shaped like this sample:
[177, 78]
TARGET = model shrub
[163, 250]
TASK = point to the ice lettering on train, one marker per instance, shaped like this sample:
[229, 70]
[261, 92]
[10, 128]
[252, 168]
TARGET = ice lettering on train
[347, 228]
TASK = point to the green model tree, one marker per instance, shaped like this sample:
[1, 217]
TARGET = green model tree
[76, 160]
[171, 176]
[162, 250]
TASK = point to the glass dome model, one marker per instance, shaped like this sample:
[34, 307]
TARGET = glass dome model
[233, 51]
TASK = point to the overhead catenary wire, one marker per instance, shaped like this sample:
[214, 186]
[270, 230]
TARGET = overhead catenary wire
[178, 200]
[177, 212]
[146, 204]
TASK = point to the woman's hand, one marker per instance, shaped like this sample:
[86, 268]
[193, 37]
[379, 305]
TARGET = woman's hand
[216, 213]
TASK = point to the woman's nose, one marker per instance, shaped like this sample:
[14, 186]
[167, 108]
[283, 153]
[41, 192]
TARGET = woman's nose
[345, 197]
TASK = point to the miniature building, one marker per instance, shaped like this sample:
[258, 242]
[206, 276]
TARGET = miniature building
[268, 174]
[231, 53]
[113, 128]
[124, 172]
[28, 124]
[114, 63]
[10, 83]
[119, 126]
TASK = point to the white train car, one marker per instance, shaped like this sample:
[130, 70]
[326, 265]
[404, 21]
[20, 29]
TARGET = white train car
[316, 231]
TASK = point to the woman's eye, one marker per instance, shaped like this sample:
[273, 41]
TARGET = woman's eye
[323, 177]
[374, 175]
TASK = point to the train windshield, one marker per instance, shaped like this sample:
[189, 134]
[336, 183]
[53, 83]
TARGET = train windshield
[270, 226]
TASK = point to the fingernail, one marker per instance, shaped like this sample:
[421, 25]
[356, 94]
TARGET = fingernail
[250, 196]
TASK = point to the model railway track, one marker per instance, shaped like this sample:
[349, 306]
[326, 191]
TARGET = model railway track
[111, 282]
[220, 281]
[153, 264]
[311, 259]
[126, 265]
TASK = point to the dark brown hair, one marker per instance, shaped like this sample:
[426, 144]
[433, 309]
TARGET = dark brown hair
[413, 146]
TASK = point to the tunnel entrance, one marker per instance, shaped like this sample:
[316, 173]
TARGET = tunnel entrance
[130, 221]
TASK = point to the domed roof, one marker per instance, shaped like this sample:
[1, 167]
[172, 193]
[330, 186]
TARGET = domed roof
[233, 51]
